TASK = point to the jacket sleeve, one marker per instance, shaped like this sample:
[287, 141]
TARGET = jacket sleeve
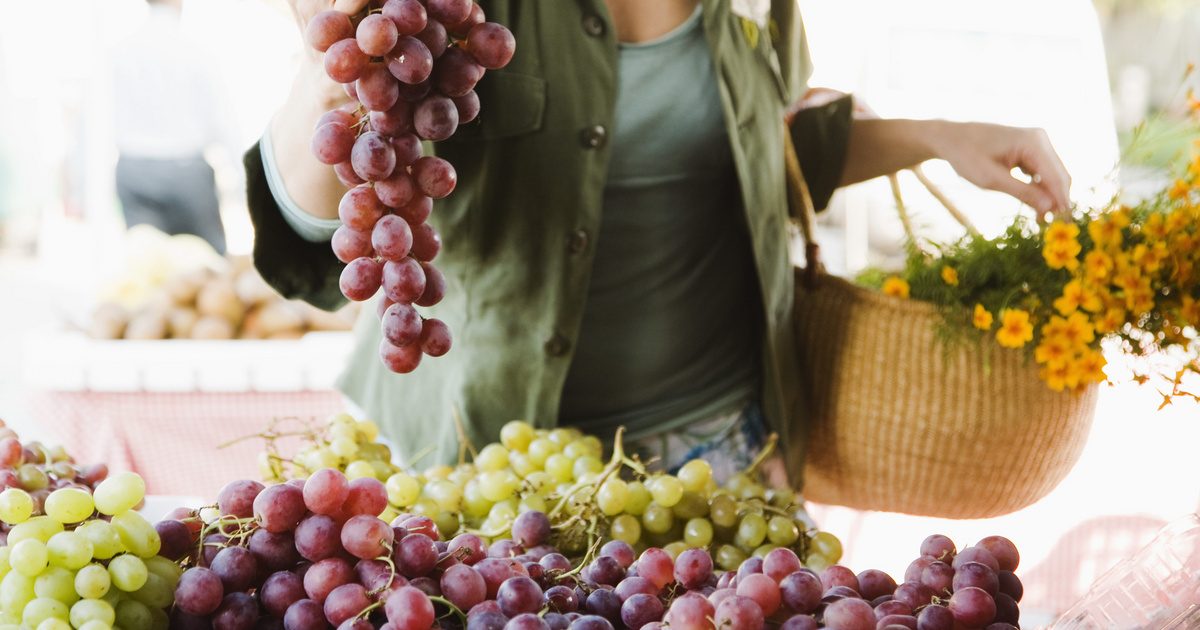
[296, 268]
[821, 134]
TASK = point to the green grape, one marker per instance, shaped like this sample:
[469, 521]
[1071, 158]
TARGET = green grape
[69, 505]
[324, 458]
[92, 581]
[359, 469]
[375, 451]
[367, 430]
[119, 493]
[38, 528]
[533, 503]
[54, 623]
[560, 467]
[626, 528]
[763, 550]
[752, 491]
[729, 558]
[447, 523]
[492, 457]
[691, 505]
[344, 447]
[164, 569]
[657, 519]
[5, 567]
[127, 572]
[698, 532]
[402, 489]
[666, 490]
[584, 465]
[593, 444]
[473, 502]
[520, 463]
[56, 583]
[639, 498]
[114, 596]
[695, 475]
[133, 615]
[781, 497]
[16, 506]
[43, 608]
[155, 592]
[588, 478]
[675, 549]
[426, 507]
[106, 543]
[16, 590]
[343, 431]
[498, 485]
[69, 550]
[29, 557]
[828, 545]
[160, 620]
[782, 531]
[440, 471]
[382, 469]
[578, 449]
[723, 511]
[540, 449]
[817, 562]
[563, 437]
[447, 495]
[32, 478]
[93, 625]
[737, 483]
[516, 435]
[462, 474]
[751, 531]
[137, 534]
[502, 513]
[612, 496]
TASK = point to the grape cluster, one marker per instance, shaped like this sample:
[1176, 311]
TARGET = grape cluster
[39, 470]
[90, 562]
[411, 66]
[343, 443]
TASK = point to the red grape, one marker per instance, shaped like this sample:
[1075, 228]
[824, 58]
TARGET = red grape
[640, 610]
[415, 555]
[236, 567]
[396, 191]
[409, 16]
[326, 489]
[1003, 550]
[274, 552]
[780, 563]
[410, 61]
[326, 28]
[395, 121]
[435, 38]
[349, 244]
[361, 279]
[392, 238]
[177, 539]
[801, 592]
[426, 242]
[972, 607]
[377, 34]
[742, 613]
[693, 568]
[436, 118]
[199, 591]
[237, 498]
[464, 27]
[657, 566]
[850, 614]
[434, 176]
[875, 583]
[468, 107]
[463, 586]
[377, 89]
[372, 157]
[400, 359]
[279, 591]
[344, 602]
[976, 554]
[978, 575]
[403, 281]
[360, 208]
[346, 175]
[324, 576]
[416, 211]
[938, 547]
[279, 508]
[762, 589]
[935, 618]
[317, 538]
[492, 45]
[435, 289]
[456, 73]
[365, 495]
[238, 611]
[409, 609]
[332, 143]
[366, 537]
[304, 614]
[344, 61]
[408, 149]
[939, 577]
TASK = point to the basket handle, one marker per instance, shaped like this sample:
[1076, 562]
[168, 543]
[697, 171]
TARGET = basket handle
[804, 210]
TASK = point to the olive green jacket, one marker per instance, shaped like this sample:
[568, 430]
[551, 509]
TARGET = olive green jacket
[518, 232]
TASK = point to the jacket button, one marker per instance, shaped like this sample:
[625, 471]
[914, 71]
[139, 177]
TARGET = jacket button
[593, 25]
[593, 137]
[557, 346]
[577, 242]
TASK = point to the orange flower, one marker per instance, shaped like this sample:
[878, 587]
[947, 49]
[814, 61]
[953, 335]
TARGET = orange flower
[1098, 265]
[896, 287]
[1111, 321]
[982, 319]
[1015, 329]
[950, 275]
[1179, 190]
[1051, 351]
[1071, 297]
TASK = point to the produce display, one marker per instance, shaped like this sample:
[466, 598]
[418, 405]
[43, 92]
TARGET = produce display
[230, 301]
[411, 67]
[534, 533]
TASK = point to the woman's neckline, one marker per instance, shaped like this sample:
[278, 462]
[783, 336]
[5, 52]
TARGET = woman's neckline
[675, 33]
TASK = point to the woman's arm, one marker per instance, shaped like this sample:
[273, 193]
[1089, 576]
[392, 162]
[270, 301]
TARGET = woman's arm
[983, 154]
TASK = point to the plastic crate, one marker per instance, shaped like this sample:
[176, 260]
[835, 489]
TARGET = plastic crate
[164, 408]
[1158, 588]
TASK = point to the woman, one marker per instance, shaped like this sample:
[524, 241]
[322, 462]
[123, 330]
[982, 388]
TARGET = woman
[616, 249]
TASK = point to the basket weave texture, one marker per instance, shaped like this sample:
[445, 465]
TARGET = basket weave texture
[899, 422]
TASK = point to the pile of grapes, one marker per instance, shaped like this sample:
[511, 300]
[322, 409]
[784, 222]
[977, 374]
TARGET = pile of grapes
[89, 562]
[411, 66]
[39, 470]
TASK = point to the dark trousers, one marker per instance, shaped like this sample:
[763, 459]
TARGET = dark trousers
[177, 196]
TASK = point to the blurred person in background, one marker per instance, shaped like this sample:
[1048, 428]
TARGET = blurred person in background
[167, 114]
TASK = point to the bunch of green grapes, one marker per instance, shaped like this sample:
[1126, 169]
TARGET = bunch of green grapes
[343, 443]
[90, 562]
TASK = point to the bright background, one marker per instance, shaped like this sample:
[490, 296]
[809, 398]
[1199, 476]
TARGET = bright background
[1085, 72]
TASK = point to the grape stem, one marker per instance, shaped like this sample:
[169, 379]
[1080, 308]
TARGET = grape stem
[464, 443]
[364, 613]
[614, 465]
[454, 610]
[762, 456]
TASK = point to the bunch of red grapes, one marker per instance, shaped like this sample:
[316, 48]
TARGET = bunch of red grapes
[40, 470]
[312, 554]
[411, 66]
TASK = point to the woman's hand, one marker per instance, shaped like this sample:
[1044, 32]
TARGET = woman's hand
[986, 155]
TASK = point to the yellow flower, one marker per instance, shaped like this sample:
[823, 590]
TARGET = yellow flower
[1105, 232]
[1190, 311]
[1071, 298]
[1061, 257]
[982, 318]
[1155, 228]
[896, 287]
[1129, 277]
[1015, 330]
[1150, 258]
[1140, 300]
[1090, 299]
[1051, 351]
[1179, 190]
[1178, 219]
[1111, 321]
[1060, 377]
[950, 275]
[1078, 330]
[1090, 367]
[1061, 233]
[1194, 168]
[1098, 265]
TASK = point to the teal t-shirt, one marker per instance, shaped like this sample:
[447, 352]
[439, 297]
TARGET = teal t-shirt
[670, 331]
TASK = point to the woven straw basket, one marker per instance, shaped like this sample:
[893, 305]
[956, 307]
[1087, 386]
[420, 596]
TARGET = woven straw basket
[899, 422]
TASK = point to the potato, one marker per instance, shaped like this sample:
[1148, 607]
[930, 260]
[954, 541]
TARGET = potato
[280, 317]
[213, 327]
[108, 321]
[253, 290]
[218, 298]
[185, 287]
[316, 319]
[150, 324]
[180, 322]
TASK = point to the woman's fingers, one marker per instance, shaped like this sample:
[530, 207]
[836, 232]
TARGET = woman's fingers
[350, 6]
[1041, 162]
[1032, 195]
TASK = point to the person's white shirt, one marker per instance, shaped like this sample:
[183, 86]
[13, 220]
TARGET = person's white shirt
[166, 99]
